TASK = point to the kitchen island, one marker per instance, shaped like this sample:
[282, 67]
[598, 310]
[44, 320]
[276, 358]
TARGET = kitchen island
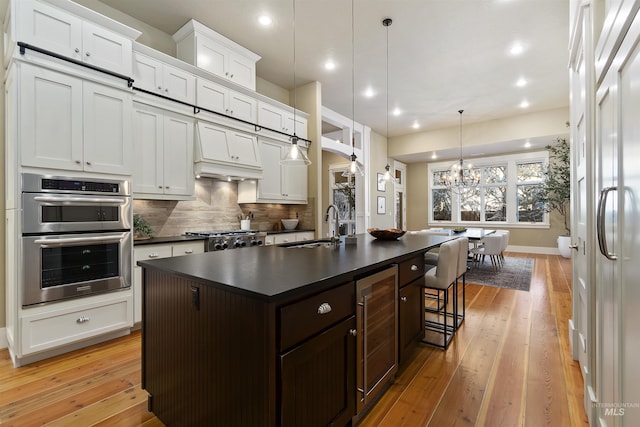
[265, 336]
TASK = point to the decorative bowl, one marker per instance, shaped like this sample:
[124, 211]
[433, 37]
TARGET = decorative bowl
[289, 224]
[388, 234]
[459, 229]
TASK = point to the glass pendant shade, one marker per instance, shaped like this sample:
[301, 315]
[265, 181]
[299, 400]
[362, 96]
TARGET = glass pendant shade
[388, 177]
[354, 167]
[295, 156]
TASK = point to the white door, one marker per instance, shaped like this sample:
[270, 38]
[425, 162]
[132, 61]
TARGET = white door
[242, 71]
[210, 56]
[295, 182]
[581, 76]
[244, 148]
[179, 84]
[107, 129]
[269, 187]
[271, 117]
[106, 49]
[242, 107]
[49, 28]
[147, 73]
[214, 142]
[607, 381]
[629, 90]
[211, 96]
[148, 150]
[50, 119]
[178, 154]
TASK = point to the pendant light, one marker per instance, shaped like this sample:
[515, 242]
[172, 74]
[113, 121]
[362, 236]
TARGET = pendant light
[295, 156]
[387, 177]
[354, 165]
[461, 177]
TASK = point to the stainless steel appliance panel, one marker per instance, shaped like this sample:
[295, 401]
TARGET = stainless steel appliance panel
[57, 267]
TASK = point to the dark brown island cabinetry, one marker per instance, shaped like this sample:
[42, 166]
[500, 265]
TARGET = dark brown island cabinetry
[270, 336]
[410, 307]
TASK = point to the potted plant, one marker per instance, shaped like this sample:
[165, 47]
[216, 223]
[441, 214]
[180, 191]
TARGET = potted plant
[141, 228]
[557, 189]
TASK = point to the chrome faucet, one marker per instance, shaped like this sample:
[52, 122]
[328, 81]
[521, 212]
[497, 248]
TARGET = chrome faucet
[335, 239]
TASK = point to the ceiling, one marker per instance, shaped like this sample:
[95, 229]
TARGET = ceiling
[443, 55]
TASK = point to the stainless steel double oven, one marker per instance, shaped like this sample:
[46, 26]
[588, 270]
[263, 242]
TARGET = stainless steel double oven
[76, 237]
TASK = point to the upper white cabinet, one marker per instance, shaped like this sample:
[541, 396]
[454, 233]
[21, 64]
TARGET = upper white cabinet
[211, 51]
[279, 183]
[281, 120]
[163, 154]
[51, 27]
[69, 123]
[221, 99]
[163, 79]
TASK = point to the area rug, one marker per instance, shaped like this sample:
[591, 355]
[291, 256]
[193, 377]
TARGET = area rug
[514, 274]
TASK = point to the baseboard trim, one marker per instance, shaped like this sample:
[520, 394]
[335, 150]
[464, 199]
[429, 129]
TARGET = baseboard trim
[3, 338]
[534, 250]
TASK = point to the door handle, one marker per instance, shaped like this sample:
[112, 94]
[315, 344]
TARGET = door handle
[574, 246]
[602, 241]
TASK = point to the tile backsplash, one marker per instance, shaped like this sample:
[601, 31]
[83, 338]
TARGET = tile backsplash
[216, 208]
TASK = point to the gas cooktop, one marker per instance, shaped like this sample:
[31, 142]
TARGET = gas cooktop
[230, 239]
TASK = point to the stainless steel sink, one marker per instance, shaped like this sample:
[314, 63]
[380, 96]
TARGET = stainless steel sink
[322, 243]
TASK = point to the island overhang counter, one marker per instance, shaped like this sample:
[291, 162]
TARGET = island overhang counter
[221, 330]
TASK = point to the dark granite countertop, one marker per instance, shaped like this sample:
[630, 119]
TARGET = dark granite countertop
[167, 239]
[277, 273]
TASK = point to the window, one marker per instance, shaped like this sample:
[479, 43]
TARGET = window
[509, 192]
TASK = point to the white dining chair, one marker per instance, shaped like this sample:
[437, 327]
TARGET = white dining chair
[492, 246]
[442, 278]
[505, 242]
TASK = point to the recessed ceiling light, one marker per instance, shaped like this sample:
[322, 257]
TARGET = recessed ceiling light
[434, 156]
[338, 141]
[527, 144]
[330, 65]
[264, 20]
[522, 82]
[397, 111]
[516, 49]
[369, 92]
[415, 125]
[524, 104]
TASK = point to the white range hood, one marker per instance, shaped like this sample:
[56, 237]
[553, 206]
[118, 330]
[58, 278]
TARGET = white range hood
[225, 153]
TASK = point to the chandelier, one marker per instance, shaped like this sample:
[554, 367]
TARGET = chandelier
[461, 177]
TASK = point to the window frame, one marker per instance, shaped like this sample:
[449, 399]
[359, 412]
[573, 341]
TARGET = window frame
[510, 161]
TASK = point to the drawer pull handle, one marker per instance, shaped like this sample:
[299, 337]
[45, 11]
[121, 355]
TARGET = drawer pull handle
[353, 332]
[188, 251]
[82, 319]
[414, 267]
[403, 299]
[153, 255]
[324, 308]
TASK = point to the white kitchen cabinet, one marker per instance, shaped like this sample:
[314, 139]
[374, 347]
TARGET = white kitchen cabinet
[163, 79]
[157, 251]
[279, 183]
[49, 27]
[67, 123]
[225, 145]
[281, 120]
[221, 99]
[209, 50]
[300, 236]
[58, 325]
[163, 154]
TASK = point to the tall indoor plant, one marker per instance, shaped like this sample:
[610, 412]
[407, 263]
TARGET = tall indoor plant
[557, 188]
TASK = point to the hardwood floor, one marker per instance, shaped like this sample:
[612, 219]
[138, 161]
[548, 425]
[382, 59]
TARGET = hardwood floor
[509, 365]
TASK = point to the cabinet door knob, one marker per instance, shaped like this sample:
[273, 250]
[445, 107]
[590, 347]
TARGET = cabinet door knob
[88, 54]
[76, 50]
[188, 251]
[403, 299]
[78, 162]
[159, 87]
[414, 267]
[82, 319]
[89, 163]
[324, 308]
[231, 76]
[353, 332]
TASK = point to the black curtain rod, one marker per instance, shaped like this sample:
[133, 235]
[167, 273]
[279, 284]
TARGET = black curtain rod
[196, 109]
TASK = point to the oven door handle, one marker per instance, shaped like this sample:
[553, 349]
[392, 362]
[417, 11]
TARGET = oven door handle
[110, 238]
[81, 200]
